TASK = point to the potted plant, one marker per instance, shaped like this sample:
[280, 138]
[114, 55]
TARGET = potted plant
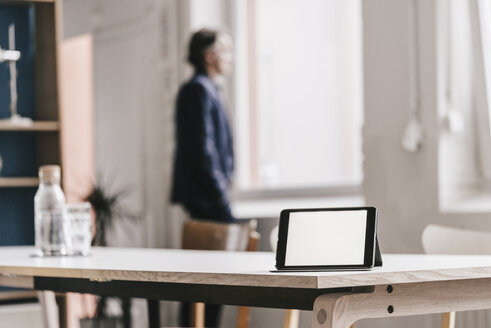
[108, 208]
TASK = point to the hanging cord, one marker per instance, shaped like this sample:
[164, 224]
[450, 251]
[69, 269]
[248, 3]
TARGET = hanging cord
[412, 139]
[448, 91]
[414, 59]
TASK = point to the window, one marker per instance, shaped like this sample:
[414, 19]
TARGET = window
[481, 35]
[298, 94]
[463, 73]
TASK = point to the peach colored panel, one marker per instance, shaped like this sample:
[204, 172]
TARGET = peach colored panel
[77, 141]
[77, 116]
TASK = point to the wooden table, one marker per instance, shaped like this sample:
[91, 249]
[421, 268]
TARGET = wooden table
[406, 285]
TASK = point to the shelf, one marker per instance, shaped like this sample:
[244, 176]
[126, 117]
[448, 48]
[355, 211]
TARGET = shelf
[34, 126]
[25, 1]
[17, 295]
[19, 182]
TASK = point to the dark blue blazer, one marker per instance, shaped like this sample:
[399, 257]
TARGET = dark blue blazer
[204, 157]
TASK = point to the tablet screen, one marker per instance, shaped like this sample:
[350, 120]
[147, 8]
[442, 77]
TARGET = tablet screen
[326, 237]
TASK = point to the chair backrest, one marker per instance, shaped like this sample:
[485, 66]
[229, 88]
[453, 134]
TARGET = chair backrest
[206, 235]
[439, 239]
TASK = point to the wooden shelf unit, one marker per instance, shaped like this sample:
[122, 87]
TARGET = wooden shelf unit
[25, 1]
[35, 126]
[19, 182]
[47, 121]
[46, 126]
[18, 295]
[63, 126]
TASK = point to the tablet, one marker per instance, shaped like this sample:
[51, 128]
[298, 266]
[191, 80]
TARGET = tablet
[327, 239]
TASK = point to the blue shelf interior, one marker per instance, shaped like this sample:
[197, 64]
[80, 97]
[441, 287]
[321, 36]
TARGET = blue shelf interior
[18, 149]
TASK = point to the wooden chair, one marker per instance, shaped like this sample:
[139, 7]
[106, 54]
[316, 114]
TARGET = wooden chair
[206, 235]
[438, 239]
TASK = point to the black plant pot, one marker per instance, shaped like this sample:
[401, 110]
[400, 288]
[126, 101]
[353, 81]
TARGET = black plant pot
[101, 323]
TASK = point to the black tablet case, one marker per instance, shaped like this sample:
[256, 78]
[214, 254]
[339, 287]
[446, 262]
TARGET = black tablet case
[378, 254]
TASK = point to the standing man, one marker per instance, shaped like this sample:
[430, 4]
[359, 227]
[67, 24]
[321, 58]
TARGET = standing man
[204, 159]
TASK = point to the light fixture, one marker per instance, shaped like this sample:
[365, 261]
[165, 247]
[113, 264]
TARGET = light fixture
[11, 57]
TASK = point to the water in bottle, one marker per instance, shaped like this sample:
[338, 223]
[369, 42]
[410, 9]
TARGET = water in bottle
[51, 222]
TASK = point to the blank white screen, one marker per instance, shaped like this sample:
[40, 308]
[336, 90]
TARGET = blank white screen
[326, 238]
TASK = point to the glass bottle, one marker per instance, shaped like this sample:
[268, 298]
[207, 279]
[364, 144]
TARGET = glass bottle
[51, 221]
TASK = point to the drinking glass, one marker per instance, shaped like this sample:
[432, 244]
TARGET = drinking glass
[79, 216]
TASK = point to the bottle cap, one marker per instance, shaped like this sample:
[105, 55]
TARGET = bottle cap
[50, 174]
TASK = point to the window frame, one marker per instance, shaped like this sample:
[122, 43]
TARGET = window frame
[481, 40]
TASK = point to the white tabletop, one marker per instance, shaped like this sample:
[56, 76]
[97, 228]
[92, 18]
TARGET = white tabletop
[234, 268]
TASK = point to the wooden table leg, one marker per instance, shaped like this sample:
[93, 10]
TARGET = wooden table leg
[291, 319]
[330, 311]
[448, 320]
[198, 315]
[343, 309]
[243, 317]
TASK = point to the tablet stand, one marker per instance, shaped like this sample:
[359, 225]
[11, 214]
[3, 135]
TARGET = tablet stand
[378, 254]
